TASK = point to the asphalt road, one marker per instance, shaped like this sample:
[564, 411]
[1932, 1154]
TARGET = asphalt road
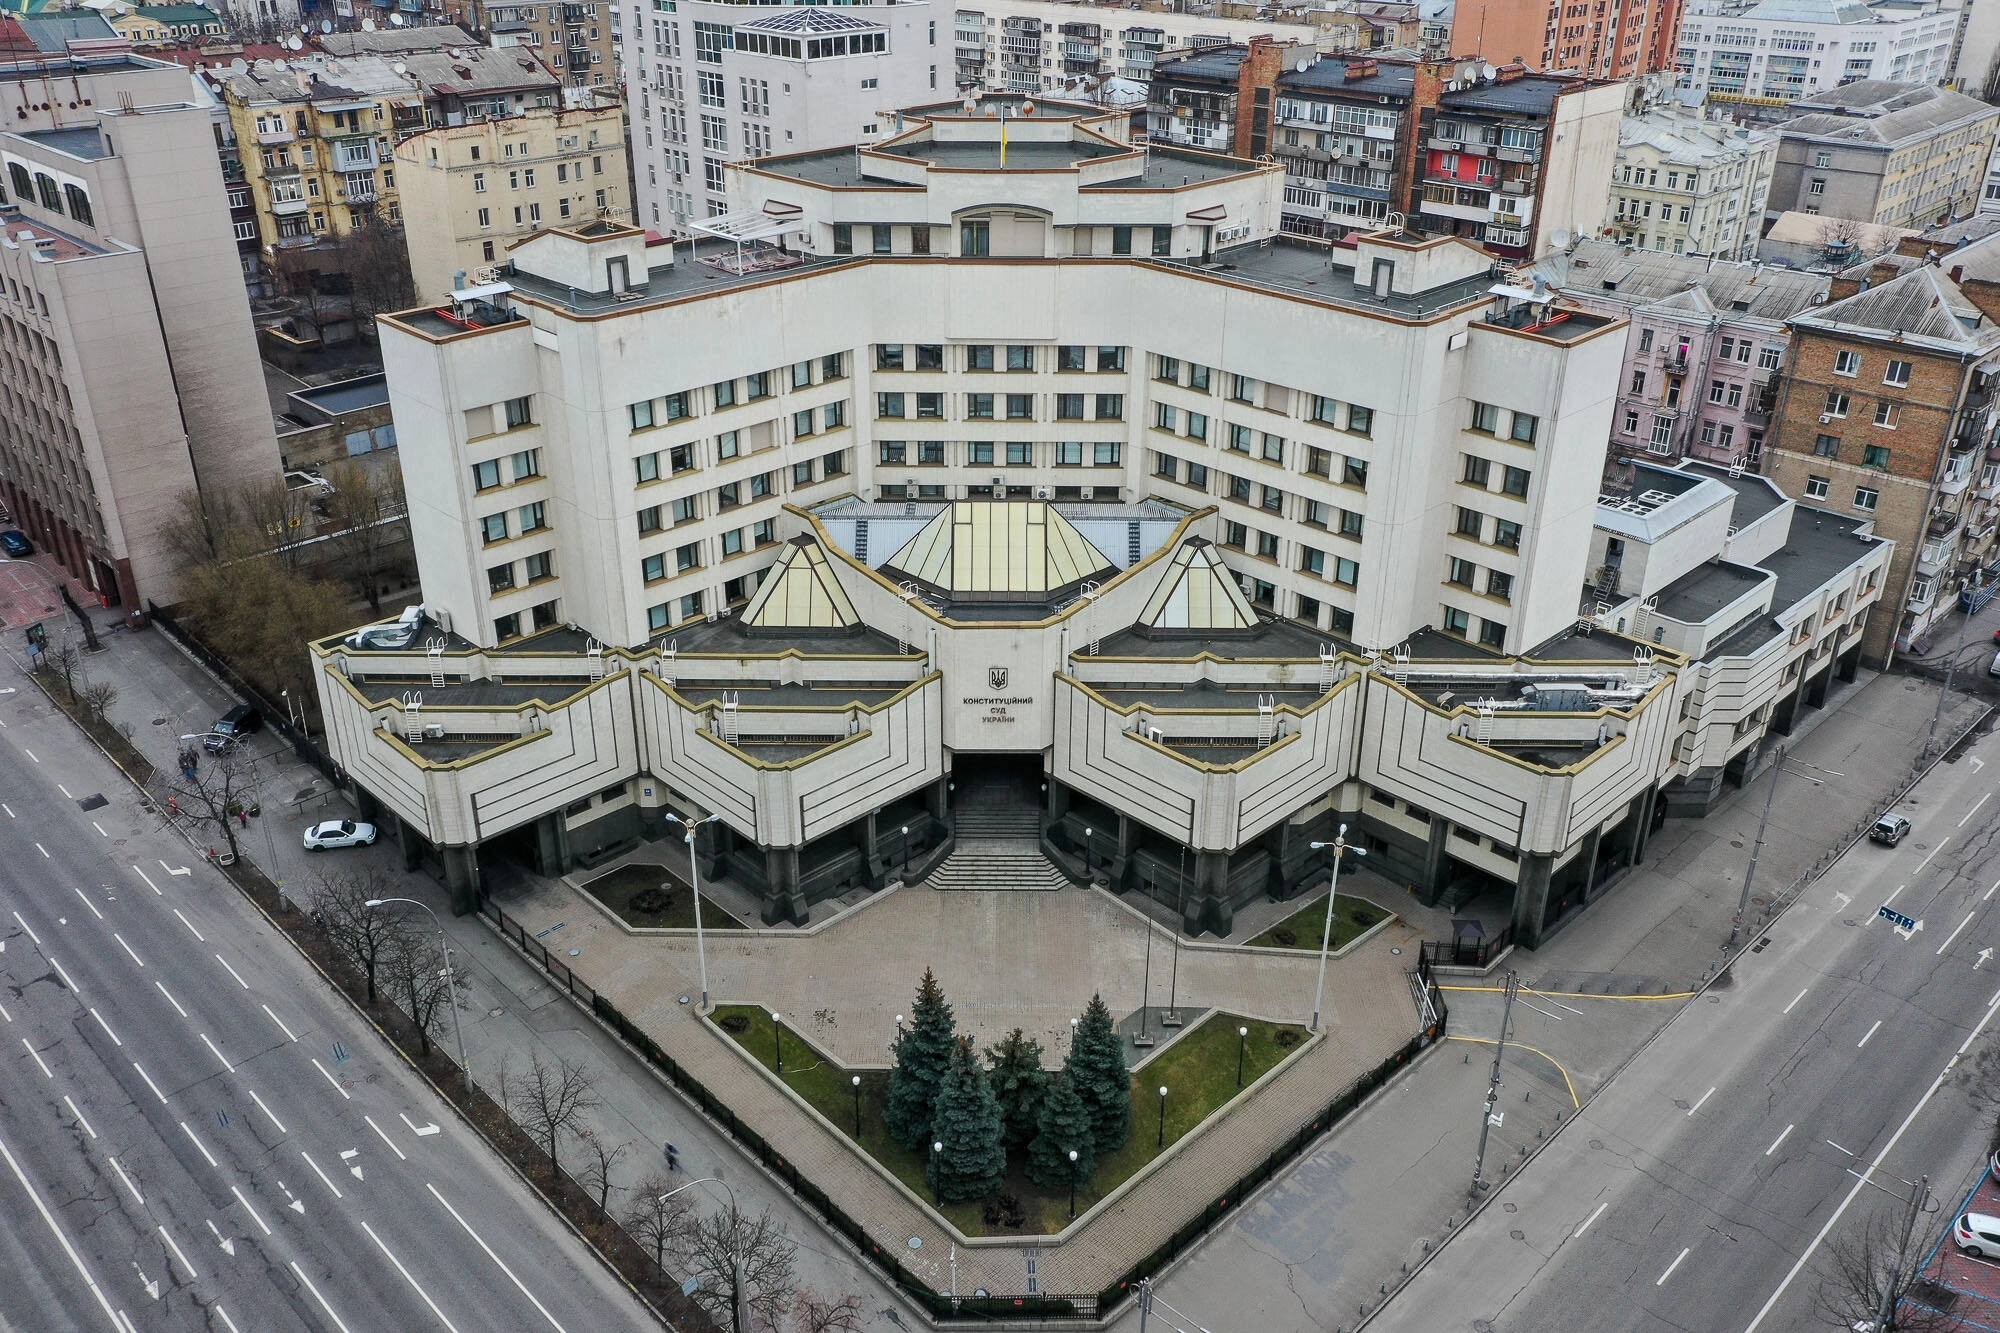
[195, 1133]
[1773, 1119]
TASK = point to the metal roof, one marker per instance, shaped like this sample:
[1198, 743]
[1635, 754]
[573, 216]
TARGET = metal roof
[1019, 548]
[1198, 593]
[801, 592]
[809, 20]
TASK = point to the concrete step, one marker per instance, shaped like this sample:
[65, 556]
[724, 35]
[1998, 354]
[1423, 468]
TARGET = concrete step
[977, 820]
[997, 872]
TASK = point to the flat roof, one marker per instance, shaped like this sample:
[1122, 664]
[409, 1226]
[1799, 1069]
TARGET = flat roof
[1756, 495]
[1699, 594]
[1160, 168]
[348, 395]
[78, 141]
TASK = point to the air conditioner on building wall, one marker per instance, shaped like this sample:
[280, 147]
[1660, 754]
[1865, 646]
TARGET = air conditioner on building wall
[1044, 493]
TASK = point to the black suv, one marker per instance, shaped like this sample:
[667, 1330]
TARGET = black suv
[233, 725]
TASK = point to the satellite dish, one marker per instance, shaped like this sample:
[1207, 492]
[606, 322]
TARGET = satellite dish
[400, 67]
[293, 43]
[326, 25]
[368, 25]
[1559, 238]
[396, 20]
[305, 27]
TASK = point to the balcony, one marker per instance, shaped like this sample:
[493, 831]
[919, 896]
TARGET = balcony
[1676, 363]
[1513, 154]
[359, 194]
[355, 156]
[281, 135]
[289, 207]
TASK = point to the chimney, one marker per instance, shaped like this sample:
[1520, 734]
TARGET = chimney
[1509, 72]
[1262, 61]
[1957, 272]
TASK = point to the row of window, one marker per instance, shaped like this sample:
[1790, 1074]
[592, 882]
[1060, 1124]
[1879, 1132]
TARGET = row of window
[532, 517]
[541, 565]
[72, 200]
[1018, 406]
[1482, 472]
[1872, 455]
[1848, 363]
[1865, 497]
[750, 388]
[1009, 453]
[1020, 357]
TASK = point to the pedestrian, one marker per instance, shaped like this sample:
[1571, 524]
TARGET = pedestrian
[243, 815]
[673, 1158]
[173, 805]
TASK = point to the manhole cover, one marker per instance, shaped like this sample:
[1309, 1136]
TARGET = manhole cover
[916, 1242]
[684, 999]
[95, 801]
[1397, 952]
[1517, 1235]
[1597, 1143]
[1737, 843]
[495, 1013]
[1511, 1208]
[1482, 1326]
[161, 722]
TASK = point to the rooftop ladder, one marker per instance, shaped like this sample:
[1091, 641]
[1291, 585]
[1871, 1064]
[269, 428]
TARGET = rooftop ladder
[1267, 719]
[1132, 543]
[1642, 659]
[861, 540]
[669, 651]
[413, 727]
[1329, 667]
[1400, 673]
[596, 654]
[729, 706]
[1482, 731]
[436, 654]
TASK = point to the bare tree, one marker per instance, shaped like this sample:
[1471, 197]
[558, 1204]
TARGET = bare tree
[718, 1247]
[100, 695]
[814, 1313]
[211, 799]
[368, 936]
[549, 1101]
[1839, 236]
[277, 518]
[361, 511]
[416, 976]
[65, 659]
[376, 262]
[600, 1162]
[655, 1220]
[203, 529]
[1882, 1259]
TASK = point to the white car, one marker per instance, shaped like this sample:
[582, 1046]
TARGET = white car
[339, 833]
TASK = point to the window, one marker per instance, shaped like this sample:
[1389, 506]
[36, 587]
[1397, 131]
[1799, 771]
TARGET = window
[881, 234]
[1355, 473]
[1515, 482]
[1069, 406]
[1886, 414]
[641, 414]
[1865, 498]
[1492, 633]
[1121, 240]
[1876, 456]
[727, 496]
[1507, 534]
[1325, 411]
[500, 578]
[974, 239]
[1319, 462]
[802, 422]
[649, 520]
[1346, 572]
[1456, 622]
[802, 472]
[843, 238]
[889, 405]
[725, 394]
[728, 445]
[1461, 572]
[979, 406]
[1826, 446]
[889, 356]
[541, 565]
[1274, 499]
[1240, 438]
[1020, 357]
[680, 458]
[1350, 524]
[493, 528]
[1164, 465]
[647, 466]
[486, 475]
[1169, 371]
[1020, 453]
[832, 367]
[687, 557]
[1069, 358]
[1197, 425]
[732, 542]
[1166, 416]
[1499, 585]
[519, 412]
[1360, 420]
[1197, 377]
[756, 385]
[508, 626]
[1021, 406]
[1847, 363]
[979, 452]
[1110, 407]
[1163, 240]
[534, 517]
[1898, 373]
[1816, 487]
[527, 463]
[930, 405]
[892, 451]
[1242, 389]
[930, 356]
[1267, 545]
[1198, 476]
[931, 453]
[1486, 417]
[653, 568]
[1478, 472]
[1471, 523]
[1111, 358]
[1631, 422]
[1524, 427]
[1836, 405]
[1069, 453]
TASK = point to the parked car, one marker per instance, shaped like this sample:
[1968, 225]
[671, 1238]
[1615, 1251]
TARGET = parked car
[1889, 830]
[398, 633]
[1993, 667]
[233, 726]
[339, 833]
[1978, 1234]
[16, 544]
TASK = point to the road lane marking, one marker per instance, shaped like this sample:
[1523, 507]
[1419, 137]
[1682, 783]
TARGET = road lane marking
[385, 1138]
[192, 1275]
[228, 1245]
[1592, 1218]
[44, 851]
[128, 948]
[30, 753]
[4, 1014]
[227, 1320]
[65, 976]
[1990, 892]
[128, 1182]
[423, 1131]
[337, 1321]
[1704, 1097]
[1892, 897]
[280, 1022]
[106, 1026]
[9, 809]
[100, 829]
[149, 881]
[65, 791]
[1795, 999]
[204, 1148]
[227, 1068]
[189, 924]
[248, 1209]
[1866, 1035]
[49, 1220]
[79, 1117]
[149, 1082]
[30, 929]
[1945, 841]
[407, 1278]
[1661, 1280]
[36, 1057]
[1861, 1183]
[1954, 935]
[330, 1078]
[232, 972]
[267, 1111]
[1975, 808]
[170, 999]
[322, 1176]
[86, 900]
[1780, 1139]
[494, 1257]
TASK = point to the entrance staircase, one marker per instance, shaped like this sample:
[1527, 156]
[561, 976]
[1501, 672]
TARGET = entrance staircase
[997, 848]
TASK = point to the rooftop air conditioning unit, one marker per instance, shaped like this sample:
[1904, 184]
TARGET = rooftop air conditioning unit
[433, 731]
[1087, 492]
[1044, 493]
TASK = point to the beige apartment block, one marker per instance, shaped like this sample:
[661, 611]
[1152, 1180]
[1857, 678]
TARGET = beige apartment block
[124, 326]
[471, 191]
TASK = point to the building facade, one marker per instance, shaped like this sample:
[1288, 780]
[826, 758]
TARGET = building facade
[1505, 158]
[1704, 351]
[1775, 52]
[158, 25]
[1622, 39]
[470, 191]
[710, 82]
[121, 365]
[577, 41]
[1045, 46]
[1686, 184]
[1212, 589]
[1886, 413]
[1888, 153]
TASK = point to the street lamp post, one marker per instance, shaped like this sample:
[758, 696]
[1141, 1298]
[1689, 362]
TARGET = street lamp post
[778, 1037]
[1145, 1037]
[450, 990]
[1339, 846]
[692, 827]
[1757, 848]
[857, 1108]
[1172, 1018]
[937, 1194]
[1242, 1040]
[906, 851]
[1072, 1184]
[735, 1248]
[1089, 870]
[1163, 1118]
[1937, 714]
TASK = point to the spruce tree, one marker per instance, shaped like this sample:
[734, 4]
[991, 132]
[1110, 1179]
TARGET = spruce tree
[923, 1054]
[1019, 1082]
[1096, 1062]
[966, 1120]
[1062, 1124]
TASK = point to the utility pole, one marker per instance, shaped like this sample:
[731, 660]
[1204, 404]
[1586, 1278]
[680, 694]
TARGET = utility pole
[1145, 1037]
[1937, 714]
[1756, 849]
[1172, 1018]
[1145, 1301]
[1487, 1117]
[1893, 1288]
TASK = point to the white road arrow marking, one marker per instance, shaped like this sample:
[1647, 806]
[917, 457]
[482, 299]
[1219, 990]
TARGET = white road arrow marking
[1841, 900]
[175, 870]
[1984, 955]
[1977, 763]
[352, 1166]
[295, 1205]
[151, 1285]
[422, 1131]
[228, 1245]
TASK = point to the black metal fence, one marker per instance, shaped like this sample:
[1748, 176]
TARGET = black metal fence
[1464, 952]
[275, 714]
[980, 1309]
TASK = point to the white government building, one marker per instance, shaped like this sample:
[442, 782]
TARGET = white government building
[1003, 465]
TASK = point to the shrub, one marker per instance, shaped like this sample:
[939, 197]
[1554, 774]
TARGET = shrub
[1285, 935]
[1004, 1210]
[652, 902]
[735, 1024]
[1287, 1037]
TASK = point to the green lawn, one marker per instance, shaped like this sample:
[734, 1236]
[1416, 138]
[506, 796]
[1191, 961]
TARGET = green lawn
[616, 889]
[1351, 916]
[1199, 1072]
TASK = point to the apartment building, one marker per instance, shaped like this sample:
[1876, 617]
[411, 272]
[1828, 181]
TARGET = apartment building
[157, 25]
[577, 41]
[1704, 349]
[325, 127]
[124, 327]
[1775, 52]
[1886, 412]
[471, 191]
[1622, 39]
[1889, 153]
[1506, 158]
[709, 82]
[1044, 46]
[1690, 184]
